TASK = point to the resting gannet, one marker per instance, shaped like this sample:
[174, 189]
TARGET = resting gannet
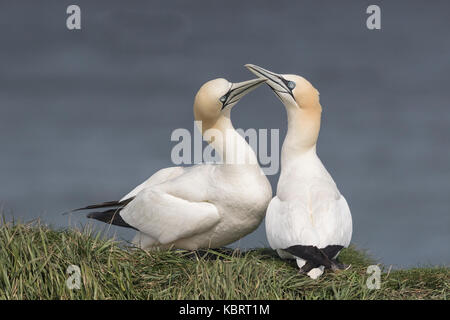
[205, 205]
[308, 219]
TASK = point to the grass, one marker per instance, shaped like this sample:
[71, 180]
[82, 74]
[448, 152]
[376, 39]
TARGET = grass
[34, 260]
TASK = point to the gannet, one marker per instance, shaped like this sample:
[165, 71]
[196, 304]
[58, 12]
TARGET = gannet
[205, 205]
[308, 219]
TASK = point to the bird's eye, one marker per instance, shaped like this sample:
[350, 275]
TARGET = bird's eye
[291, 84]
[223, 99]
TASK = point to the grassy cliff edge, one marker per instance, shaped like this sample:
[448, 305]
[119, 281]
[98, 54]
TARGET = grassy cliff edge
[34, 260]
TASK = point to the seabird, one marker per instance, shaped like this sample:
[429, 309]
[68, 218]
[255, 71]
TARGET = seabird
[308, 219]
[205, 205]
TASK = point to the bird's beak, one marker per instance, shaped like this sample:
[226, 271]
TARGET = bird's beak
[240, 89]
[275, 81]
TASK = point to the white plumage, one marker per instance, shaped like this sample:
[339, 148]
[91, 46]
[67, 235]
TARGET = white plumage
[308, 209]
[206, 205]
[198, 207]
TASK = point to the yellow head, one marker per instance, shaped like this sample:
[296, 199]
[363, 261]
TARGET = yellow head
[291, 89]
[302, 104]
[215, 99]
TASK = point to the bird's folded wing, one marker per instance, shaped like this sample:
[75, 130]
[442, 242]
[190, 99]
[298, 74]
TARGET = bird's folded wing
[160, 176]
[167, 218]
[289, 224]
[318, 217]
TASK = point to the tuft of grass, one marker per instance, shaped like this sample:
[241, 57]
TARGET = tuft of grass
[34, 261]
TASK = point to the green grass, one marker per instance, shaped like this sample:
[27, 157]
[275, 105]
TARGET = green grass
[34, 260]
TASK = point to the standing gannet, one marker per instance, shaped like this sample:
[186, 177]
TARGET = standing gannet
[206, 205]
[308, 219]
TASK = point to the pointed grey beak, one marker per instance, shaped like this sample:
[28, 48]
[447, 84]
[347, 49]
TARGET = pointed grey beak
[240, 89]
[275, 81]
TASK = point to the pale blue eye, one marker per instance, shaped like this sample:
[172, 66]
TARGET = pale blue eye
[291, 84]
[223, 98]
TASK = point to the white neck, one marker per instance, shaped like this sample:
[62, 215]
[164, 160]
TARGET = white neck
[234, 151]
[301, 137]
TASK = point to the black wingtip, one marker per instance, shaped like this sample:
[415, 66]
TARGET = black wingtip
[316, 257]
[310, 254]
[106, 204]
[110, 217]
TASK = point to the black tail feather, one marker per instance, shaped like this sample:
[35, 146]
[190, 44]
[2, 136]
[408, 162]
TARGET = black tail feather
[111, 217]
[316, 257]
[308, 267]
[107, 204]
[311, 254]
[332, 250]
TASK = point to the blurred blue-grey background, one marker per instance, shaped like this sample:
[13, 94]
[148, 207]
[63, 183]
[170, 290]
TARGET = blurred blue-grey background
[87, 115]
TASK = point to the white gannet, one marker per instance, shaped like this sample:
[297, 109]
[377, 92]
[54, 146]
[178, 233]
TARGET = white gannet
[308, 219]
[206, 205]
